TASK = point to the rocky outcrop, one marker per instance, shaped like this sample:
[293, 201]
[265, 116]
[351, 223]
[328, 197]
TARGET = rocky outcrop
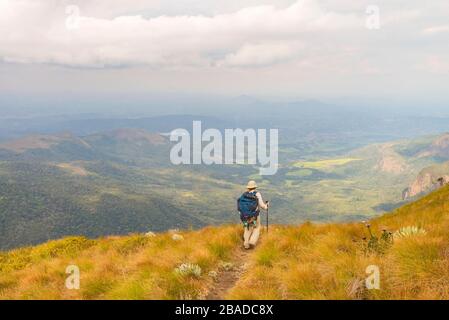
[390, 161]
[426, 182]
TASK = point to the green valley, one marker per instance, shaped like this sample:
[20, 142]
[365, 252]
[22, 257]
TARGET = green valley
[121, 181]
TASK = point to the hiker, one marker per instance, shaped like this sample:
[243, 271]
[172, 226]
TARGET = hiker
[249, 205]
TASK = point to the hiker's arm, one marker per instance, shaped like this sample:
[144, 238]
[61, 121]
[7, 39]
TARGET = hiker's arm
[262, 204]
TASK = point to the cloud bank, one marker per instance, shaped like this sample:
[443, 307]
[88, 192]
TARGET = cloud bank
[307, 47]
[40, 32]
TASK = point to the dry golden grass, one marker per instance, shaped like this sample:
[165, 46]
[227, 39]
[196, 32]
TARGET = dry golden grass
[132, 267]
[330, 261]
[326, 261]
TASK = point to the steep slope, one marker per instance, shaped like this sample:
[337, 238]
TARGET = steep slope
[331, 261]
[132, 267]
[327, 261]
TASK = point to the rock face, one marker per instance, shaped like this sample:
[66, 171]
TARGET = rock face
[421, 184]
[425, 182]
[433, 177]
[390, 161]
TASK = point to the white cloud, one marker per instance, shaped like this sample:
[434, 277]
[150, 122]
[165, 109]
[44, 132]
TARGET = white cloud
[437, 64]
[317, 47]
[261, 54]
[436, 30]
[38, 34]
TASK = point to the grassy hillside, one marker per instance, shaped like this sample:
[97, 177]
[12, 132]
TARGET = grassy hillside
[132, 267]
[326, 261]
[329, 261]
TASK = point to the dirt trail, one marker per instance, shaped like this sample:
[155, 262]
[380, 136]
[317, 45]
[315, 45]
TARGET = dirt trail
[228, 276]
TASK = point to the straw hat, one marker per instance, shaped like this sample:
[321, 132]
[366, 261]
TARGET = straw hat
[251, 185]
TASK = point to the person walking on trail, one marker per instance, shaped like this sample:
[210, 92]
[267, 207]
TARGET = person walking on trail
[249, 206]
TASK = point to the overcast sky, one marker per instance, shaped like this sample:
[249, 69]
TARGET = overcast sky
[310, 49]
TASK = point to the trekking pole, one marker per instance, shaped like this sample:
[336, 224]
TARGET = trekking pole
[267, 213]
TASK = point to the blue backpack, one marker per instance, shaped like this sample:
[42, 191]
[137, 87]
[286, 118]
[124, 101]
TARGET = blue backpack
[247, 205]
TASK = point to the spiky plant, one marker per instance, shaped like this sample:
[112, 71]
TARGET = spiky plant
[409, 231]
[189, 269]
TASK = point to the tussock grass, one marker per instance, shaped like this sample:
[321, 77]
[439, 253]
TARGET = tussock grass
[329, 261]
[132, 267]
[310, 261]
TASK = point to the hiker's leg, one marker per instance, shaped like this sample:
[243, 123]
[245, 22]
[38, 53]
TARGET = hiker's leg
[246, 236]
[256, 233]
